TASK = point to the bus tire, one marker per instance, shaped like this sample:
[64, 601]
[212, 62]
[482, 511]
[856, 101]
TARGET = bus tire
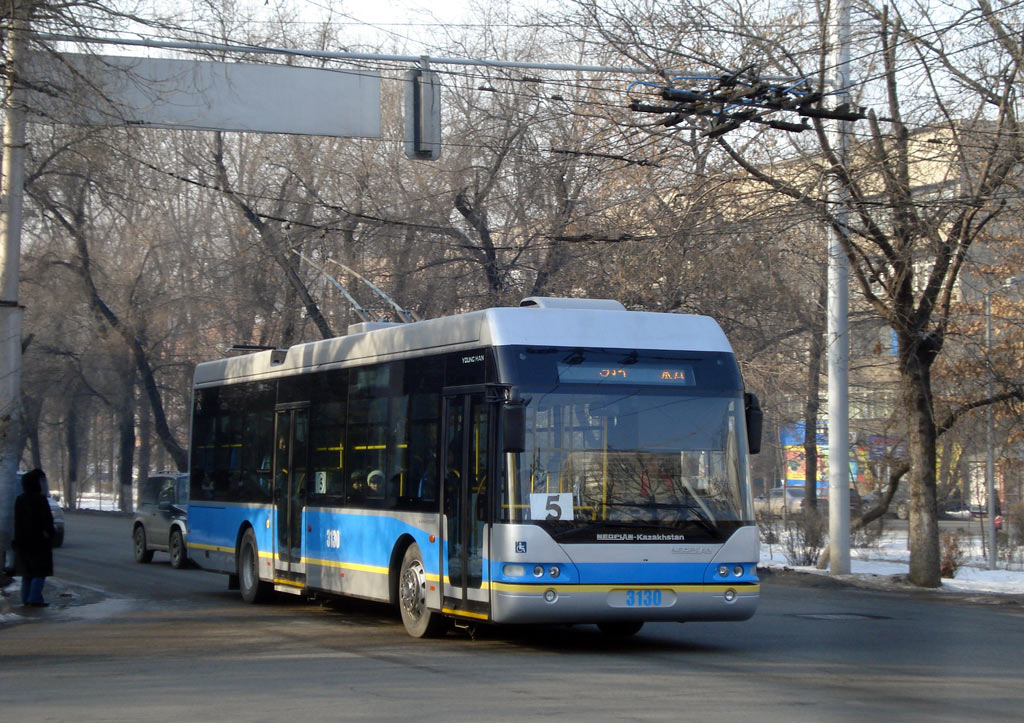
[142, 554]
[622, 629]
[252, 588]
[419, 621]
[176, 547]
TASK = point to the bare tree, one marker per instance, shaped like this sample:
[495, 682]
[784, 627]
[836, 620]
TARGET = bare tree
[907, 244]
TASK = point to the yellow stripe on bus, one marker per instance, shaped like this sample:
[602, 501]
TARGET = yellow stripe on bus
[289, 583]
[464, 613]
[211, 548]
[356, 567]
[567, 589]
[347, 566]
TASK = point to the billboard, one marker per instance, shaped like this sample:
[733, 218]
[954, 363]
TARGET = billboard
[207, 95]
[791, 437]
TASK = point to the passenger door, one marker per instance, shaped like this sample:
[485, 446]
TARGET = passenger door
[291, 455]
[466, 510]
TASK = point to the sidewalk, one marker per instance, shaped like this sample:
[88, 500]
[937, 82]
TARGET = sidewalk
[59, 594]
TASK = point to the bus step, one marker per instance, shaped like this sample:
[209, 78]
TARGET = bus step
[290, 589]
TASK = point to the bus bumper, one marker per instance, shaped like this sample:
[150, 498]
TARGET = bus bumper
[602, 603]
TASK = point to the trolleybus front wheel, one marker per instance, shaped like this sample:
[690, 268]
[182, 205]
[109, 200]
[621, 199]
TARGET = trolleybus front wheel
[252, 588]
[412, 597]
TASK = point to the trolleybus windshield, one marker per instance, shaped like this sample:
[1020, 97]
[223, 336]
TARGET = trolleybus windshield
[645, 453]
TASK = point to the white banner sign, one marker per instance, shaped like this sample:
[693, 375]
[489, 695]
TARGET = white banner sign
[204, 95]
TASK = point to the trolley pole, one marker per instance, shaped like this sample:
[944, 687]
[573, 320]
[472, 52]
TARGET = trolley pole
[838, 321]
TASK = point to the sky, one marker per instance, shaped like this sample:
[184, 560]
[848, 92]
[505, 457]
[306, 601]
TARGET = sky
[414, 25]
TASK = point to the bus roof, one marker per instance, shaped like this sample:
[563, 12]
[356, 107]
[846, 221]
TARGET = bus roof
[560, 325]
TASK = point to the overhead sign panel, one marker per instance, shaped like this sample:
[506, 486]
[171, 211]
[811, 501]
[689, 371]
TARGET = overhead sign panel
[204, 95]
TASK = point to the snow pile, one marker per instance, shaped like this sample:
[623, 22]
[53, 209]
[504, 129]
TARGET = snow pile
[885, 562]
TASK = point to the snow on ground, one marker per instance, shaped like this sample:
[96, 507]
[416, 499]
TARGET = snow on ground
[886, 561]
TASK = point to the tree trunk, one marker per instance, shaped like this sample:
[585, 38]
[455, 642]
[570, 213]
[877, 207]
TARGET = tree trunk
[126, 451]
[145, 439]
[31, 410]
[74, 455]
[815, 354]
[915, 359]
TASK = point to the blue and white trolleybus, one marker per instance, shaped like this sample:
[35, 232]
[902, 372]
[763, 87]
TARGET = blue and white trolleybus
[567, 461]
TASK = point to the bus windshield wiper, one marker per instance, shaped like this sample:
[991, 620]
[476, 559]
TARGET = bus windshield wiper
[698, 515]
[596, 524]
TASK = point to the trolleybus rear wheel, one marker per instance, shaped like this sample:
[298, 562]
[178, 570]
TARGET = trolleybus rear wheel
[252, 588]
[621, 629]
[419, 621]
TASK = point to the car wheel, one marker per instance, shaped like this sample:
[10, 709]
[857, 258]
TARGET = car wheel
[142, 554]
[176, 546]
[419, 621]
[621, 629]
[252, 588]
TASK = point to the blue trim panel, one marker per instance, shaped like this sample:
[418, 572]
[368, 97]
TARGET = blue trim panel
[362, 539]
[218, 525]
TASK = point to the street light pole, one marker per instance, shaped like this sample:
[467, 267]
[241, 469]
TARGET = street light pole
[838, 322]
[990, 476]
[990, 466]
[11, 195]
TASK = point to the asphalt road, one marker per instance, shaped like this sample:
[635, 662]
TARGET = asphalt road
[131, 642]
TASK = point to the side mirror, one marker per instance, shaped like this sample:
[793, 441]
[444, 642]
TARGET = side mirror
[755, 420]
[513, 425]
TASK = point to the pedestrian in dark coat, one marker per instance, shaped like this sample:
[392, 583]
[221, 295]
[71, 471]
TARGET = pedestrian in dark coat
[33, 538]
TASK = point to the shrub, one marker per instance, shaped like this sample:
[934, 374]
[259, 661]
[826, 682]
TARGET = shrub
[952, 556]
[768, 529]
[1010, 539]
[870, 536]
[805, 537]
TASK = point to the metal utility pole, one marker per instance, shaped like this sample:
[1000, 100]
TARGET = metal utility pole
[990, 464]
[10, 252]
[990, 472]
[838, 320]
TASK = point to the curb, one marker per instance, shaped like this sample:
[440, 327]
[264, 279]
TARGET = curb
[896, 584]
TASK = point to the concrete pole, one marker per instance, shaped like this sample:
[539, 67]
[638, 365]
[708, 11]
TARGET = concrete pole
[838, 323]
[990, 466]
[11, 191]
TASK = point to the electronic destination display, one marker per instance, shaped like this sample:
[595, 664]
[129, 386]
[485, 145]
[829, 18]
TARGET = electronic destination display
[603, 372]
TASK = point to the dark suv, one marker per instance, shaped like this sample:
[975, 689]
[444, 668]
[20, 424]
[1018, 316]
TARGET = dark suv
[161, 518]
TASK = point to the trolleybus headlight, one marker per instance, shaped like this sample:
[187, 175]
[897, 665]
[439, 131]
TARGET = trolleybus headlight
[538, 570]
[730, 595]
[738, 571]
[554, 571]
[550, 596]
[723, 571]
[515, 570]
